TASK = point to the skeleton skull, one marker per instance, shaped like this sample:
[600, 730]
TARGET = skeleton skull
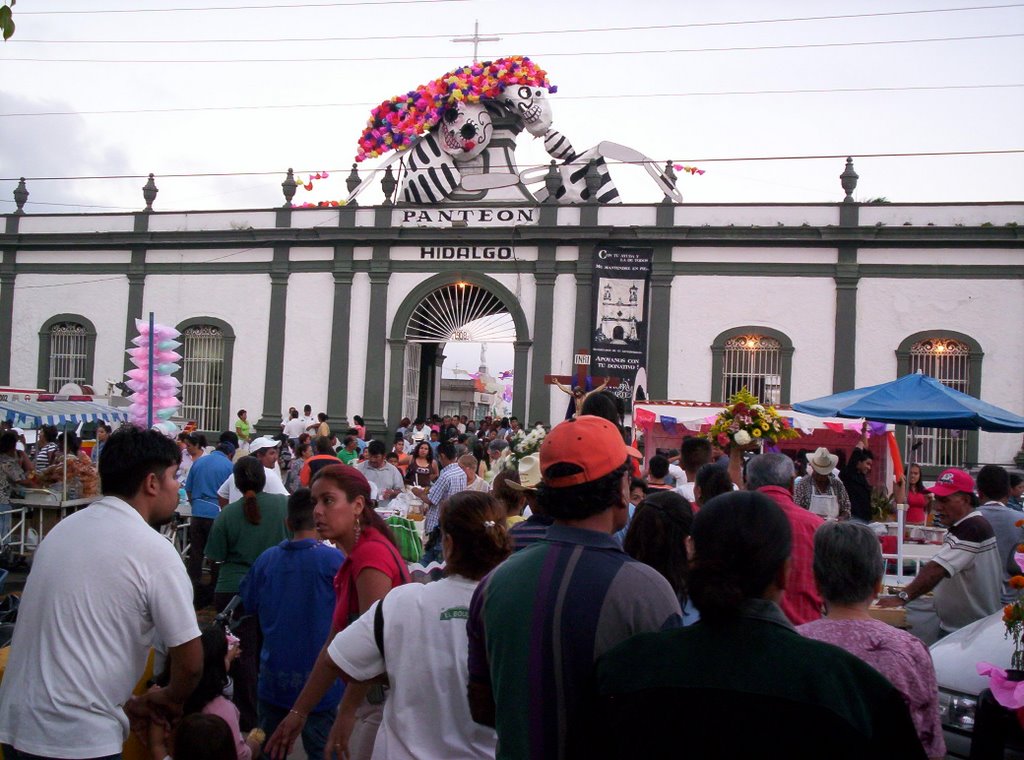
[531, 105]
[465, 130]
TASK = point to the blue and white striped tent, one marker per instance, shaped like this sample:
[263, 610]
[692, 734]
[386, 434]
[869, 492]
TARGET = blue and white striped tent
[33, 414]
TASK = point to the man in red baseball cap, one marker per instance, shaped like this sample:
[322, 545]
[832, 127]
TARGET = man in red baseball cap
[966, 574]
[540, 620]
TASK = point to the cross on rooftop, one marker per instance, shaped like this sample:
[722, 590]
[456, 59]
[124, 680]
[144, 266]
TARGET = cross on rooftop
[476, 39]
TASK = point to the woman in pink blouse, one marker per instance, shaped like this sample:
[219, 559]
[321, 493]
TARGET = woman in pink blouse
[919, 499]
[848, 571]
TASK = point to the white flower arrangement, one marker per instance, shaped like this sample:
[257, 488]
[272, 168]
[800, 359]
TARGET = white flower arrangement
[522, 445]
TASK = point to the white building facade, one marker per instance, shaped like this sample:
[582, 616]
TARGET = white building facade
[287, 307]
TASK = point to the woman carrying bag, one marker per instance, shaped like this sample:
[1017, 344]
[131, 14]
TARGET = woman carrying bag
[372, 567]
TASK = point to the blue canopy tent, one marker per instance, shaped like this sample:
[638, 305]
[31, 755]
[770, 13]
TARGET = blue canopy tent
[916, 400]
[33, 414]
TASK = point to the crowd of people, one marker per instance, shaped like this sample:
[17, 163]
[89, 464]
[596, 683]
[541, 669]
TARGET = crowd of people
[589, 600]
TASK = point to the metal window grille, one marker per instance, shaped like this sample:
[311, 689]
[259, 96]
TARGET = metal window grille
[949, 362]
[68, 355]
[202, 376]
[411, 389]
[753, 362]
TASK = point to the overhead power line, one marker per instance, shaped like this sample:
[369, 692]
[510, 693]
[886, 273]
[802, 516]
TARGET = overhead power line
[556, 54]
[236, 7]
[687, 160]
[604, 96]
[525, 33]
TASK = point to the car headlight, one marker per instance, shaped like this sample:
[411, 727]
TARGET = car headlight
[957, 710]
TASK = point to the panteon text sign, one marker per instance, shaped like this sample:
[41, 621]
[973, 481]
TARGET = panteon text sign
[463, 217]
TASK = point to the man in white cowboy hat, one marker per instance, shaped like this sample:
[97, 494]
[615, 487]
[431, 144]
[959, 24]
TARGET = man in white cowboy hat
[536, 524]
[823, 492]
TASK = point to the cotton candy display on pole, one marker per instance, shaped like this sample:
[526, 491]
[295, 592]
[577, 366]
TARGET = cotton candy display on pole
[159, 375]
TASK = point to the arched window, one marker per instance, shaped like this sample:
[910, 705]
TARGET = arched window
[954, 359]
[206, 350]
[67, 352]
[757, 358]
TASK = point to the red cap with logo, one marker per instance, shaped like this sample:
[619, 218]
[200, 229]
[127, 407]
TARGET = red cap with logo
[591, 443]
[953, 481]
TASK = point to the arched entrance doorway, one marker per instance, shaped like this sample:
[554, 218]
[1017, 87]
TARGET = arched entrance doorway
[447, 309]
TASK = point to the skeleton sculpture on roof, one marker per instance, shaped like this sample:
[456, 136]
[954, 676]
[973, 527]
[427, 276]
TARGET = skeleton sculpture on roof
[441, 130]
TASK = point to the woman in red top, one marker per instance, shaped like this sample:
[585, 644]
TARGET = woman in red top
[918, 497]
[372, 567]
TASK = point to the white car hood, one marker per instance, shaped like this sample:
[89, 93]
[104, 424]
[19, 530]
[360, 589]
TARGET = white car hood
[957, 655]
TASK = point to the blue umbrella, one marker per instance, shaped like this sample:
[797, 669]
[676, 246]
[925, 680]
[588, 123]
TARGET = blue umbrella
[916, 400]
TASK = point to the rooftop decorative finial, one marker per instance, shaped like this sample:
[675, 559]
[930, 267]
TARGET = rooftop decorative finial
[388, 185]
[849, 179]
[20, 197]
[352, 182]
[289, 186]
[149, 192]
[592, 180]
[669, 173]
[552, 182]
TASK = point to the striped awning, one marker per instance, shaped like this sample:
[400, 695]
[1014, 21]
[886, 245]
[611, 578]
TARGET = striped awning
[32, 414]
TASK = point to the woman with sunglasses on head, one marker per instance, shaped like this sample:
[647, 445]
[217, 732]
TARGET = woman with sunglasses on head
[372, 567]
[417, 637]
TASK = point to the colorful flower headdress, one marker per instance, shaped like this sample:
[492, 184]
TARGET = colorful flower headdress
[396, 123]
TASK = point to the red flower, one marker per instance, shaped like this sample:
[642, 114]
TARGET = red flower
[739, 408]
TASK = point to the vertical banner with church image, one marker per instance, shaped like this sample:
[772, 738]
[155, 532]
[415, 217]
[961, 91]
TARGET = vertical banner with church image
[618, 345]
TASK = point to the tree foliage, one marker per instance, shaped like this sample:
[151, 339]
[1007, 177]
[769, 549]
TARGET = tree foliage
[7, 19]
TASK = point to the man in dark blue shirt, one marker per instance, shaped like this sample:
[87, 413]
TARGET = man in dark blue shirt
[290, 588]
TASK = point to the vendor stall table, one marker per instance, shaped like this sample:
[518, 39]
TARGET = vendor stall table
[43, 513]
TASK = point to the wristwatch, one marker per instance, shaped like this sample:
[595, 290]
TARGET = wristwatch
[903, 596]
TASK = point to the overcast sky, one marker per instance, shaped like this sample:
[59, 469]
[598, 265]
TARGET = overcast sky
[244, 117]
[595, 72]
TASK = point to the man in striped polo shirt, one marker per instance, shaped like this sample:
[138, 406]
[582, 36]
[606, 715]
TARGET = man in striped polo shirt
[967, 574]
[540, 620]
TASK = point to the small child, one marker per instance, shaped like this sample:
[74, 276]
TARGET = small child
[198, 737]
[219, 649]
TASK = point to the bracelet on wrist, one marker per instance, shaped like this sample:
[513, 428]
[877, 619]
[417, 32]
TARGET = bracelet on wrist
[300, 714]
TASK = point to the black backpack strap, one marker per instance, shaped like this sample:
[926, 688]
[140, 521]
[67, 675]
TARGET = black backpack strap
[378, 627]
